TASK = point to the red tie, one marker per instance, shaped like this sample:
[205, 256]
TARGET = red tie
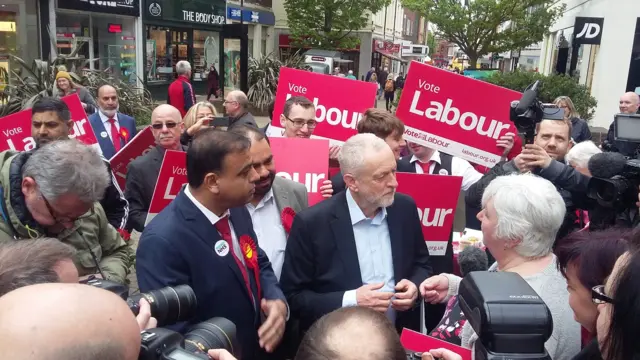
[115, 135]
[425, 167]
[225, 231]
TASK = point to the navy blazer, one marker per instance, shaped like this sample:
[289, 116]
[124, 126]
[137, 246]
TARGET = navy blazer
[177, 247]
[108, 150]
[321, 259]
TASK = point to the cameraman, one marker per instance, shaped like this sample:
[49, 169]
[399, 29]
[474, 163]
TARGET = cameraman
[629, 104]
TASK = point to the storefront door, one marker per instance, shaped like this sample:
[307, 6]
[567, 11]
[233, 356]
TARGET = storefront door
[234, 57]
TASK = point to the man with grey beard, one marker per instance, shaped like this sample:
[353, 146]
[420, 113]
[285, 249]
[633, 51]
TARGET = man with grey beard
[113, 129]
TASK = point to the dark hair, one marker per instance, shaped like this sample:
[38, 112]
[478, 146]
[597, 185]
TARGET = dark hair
[316, 344]
[250, 132]
[30, 262]
[296, 100]
[58, 106]
[208, 150]
[380, 123]
[620, 342]
[592, 253]
[271, 108]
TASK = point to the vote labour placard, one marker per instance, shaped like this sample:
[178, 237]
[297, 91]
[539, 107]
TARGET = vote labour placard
[141, 144]
[16, 128]
[310, 169]
[455, 114]
[173, 174]
[339, 102]
[436, 197]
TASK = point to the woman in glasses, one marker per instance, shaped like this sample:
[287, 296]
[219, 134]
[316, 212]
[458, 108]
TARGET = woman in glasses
[198, 117]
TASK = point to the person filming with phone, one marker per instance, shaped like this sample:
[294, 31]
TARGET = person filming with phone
[199, 117]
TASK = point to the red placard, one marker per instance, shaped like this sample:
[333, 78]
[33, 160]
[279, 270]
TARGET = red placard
[142, 143]
[16, 128]
[173, 174]
[436, 207]
[310, 170]
[417, 342]
[339, 102]
[455, 114]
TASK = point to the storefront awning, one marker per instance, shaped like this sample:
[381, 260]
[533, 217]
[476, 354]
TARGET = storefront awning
[391, 56]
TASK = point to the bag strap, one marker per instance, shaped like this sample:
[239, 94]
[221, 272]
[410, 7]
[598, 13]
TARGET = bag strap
[5, 213]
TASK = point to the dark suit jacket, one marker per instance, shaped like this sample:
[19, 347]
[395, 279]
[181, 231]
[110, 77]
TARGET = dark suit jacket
[337, 181]
[245, 119]
[106, 145]
[178, 248]
[321, 260]
[142, 175]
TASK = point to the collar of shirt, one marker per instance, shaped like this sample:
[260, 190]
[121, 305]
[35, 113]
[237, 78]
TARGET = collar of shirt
[104, 117]
[435, 158]
[265, 199]
[213, 218]
[357, 215]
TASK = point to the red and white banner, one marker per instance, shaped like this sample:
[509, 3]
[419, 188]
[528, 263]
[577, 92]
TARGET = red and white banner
[339, 102]
[455, 114]
[173, 174]
[310, 169]
[141, 144]
[417, 342]
[437, 198]
[16, 128]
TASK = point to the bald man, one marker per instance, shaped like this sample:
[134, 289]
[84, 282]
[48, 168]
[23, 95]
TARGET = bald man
[166, 126]
[236, 106]
[629, 104]
[67, 321]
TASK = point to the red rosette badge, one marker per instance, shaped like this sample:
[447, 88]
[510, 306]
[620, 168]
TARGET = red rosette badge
[287, 219]
[124, 133]
[250, 253]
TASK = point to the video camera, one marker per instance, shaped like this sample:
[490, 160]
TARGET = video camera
[626, 130]
[619, 191]
[170, 305]
[528, 112]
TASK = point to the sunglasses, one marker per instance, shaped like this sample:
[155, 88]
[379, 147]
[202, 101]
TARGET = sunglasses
[169, 125]
[598, 296]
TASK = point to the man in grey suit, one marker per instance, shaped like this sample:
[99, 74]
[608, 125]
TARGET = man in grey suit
[236, 106]
[273, 195]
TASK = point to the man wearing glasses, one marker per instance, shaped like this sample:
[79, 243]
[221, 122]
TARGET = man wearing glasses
[236, 106]
[54, 192]
[142, 174]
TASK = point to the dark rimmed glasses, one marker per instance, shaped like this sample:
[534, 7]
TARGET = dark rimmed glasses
[61, 219]
[311, 124]
[599, 297]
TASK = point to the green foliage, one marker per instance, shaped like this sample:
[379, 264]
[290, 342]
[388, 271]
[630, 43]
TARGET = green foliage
[328, 24]
[551, 87]
[264, 73]
[480, 27]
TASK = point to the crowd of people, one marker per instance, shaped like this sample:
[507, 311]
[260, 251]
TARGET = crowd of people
[336, 280]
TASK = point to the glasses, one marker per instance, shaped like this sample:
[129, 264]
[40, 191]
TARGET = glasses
[311, 124]
[229, 101]
[64, 220]
[169, 125]
[598, 296]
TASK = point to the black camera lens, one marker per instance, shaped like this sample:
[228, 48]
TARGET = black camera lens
[215, 333]
[168, 305]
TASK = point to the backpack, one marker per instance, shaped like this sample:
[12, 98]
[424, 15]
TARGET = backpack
[388, 86]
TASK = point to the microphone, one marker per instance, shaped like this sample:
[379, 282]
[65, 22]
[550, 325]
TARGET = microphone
[607, 164]
[472, 259]
[528, 98]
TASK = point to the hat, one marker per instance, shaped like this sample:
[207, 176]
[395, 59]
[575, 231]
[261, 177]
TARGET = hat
[63, 75]
[390, 77]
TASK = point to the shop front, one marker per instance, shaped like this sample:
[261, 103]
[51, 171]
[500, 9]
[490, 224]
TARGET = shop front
[386, 54]
[194, 31]
[260, 24]
[106, 31]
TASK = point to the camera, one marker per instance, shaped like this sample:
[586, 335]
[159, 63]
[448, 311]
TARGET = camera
[618, 192]
[164, 344]
[528, 112]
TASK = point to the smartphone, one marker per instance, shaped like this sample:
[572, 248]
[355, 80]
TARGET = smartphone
[219, 121]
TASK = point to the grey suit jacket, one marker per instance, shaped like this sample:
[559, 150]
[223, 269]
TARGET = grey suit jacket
[288, 193]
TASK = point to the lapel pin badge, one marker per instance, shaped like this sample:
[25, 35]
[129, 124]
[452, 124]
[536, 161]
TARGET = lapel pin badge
[104, 134]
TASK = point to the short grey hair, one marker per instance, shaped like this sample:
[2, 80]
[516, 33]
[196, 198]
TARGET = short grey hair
[68, 167]
[240, 97]
[529, 209]
[581, 153]
[357, 150]
[183, 67]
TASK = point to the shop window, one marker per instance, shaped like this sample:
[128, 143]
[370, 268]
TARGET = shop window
[250, 48]
[206, 52]
[159, 62]
[114, 45]
[232, 64]
[73, 30]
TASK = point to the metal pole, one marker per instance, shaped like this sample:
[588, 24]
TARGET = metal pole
[384, 25]
[241, 12]
[395, 11]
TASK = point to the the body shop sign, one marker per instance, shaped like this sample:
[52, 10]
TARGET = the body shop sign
[193, 11]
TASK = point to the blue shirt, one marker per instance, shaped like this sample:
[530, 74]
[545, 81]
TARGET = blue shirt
[373, 244]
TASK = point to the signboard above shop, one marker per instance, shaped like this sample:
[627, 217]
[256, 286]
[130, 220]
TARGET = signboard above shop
[118, 7]
[200, 12]
[251, 16]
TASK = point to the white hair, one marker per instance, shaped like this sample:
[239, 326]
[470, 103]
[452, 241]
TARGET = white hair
[581, 153]
[529, 209]
[183, 67]
[357, 150]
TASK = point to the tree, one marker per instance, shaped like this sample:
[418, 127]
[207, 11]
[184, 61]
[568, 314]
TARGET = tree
[328, 24]
[480, 27]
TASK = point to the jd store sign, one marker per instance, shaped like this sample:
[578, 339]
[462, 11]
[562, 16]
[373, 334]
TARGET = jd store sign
[201, 12]
[588, 30]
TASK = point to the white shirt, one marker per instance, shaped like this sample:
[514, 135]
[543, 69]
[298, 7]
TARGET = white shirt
[267, 224]
[459, 167]
[107, 124]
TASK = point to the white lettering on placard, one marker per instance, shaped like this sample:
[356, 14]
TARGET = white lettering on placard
[429, 87]
[78, 129]
[335, 116]
[297, 89]
[116, 170]
[177, 170]
[437, 218]
[451, 115]
[310, 180]
[12, 132]
[29, 144]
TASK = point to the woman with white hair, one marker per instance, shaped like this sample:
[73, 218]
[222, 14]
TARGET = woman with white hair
[579, 155]
[520, 217]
